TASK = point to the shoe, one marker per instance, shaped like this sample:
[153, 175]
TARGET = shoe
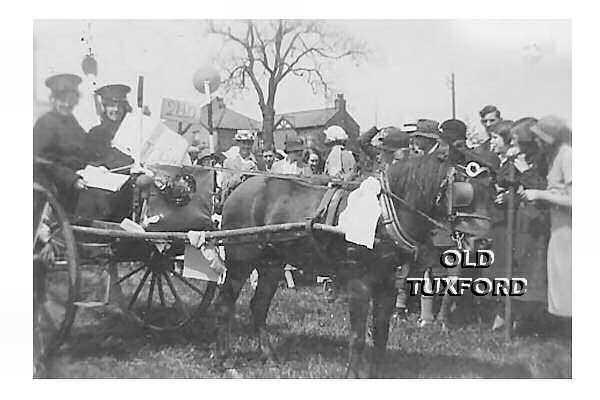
[498, 323]
[421, 323]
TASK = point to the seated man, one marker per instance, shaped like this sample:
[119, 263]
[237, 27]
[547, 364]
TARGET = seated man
[58, 141]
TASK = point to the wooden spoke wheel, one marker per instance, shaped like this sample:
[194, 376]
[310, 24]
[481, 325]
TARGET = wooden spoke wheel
[157, 295]
[55, 274]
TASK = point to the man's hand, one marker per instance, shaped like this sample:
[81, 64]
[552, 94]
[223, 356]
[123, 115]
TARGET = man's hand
[80, 184]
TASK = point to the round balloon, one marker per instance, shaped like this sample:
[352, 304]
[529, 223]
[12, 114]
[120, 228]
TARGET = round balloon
[207, 74]
[89, 65]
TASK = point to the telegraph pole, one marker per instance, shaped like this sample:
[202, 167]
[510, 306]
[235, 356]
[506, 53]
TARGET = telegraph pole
[453, 96]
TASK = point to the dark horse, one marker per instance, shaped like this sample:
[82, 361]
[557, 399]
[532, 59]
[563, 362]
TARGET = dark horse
[366, 274]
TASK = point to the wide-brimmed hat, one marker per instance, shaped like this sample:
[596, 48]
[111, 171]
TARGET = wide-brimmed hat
[244, 135]
[335, 133]
[453, 130]
[294, 144]
[427, 128]
[552, 127]
[394, 139]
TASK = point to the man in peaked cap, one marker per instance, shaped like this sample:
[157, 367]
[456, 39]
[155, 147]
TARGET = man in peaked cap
[113, 110]
[59, 138]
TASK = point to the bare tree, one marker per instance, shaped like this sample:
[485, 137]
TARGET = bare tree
[261, 54]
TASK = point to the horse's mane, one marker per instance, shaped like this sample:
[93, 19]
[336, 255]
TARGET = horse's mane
[417, 180]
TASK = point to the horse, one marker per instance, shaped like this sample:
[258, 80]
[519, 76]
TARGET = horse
[418, 190]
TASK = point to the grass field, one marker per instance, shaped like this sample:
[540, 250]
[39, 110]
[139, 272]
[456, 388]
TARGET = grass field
[310, 336]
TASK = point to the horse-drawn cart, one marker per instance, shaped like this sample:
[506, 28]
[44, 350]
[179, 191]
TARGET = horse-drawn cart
[82, 262]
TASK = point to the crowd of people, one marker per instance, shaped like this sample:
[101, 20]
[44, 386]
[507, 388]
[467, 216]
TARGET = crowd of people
[540, 150]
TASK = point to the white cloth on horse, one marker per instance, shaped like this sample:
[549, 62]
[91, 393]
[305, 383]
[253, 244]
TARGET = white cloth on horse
[359, 219]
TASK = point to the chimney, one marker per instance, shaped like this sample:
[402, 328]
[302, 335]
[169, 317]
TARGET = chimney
[218, 103]
[340, 102]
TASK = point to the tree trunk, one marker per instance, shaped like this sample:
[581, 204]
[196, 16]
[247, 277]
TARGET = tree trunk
[268, 113]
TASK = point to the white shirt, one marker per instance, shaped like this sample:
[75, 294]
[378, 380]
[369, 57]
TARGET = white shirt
[285, 167]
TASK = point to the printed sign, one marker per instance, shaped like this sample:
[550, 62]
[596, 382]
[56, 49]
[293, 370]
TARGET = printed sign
[179, 110]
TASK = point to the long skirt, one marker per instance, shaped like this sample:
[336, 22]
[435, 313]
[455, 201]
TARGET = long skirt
[559, 264]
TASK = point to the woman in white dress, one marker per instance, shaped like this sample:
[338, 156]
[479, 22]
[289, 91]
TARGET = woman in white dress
[554, 137]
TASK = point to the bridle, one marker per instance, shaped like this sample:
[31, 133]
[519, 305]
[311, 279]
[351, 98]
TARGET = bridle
[394, 228]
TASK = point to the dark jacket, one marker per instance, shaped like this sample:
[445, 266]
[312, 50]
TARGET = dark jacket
[60, 139]
[99, 149]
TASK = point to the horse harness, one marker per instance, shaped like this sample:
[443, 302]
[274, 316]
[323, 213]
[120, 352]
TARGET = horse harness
[457, 193]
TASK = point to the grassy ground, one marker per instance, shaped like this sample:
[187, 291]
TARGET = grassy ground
[310, 336]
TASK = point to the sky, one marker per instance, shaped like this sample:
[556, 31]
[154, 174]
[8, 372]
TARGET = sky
[522, 66]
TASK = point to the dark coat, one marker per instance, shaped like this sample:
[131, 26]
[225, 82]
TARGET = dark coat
[60, 139]
[99, 149]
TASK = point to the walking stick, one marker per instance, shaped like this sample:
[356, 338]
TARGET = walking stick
[510, 222]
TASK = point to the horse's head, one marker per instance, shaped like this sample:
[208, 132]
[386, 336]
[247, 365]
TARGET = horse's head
[437, 192]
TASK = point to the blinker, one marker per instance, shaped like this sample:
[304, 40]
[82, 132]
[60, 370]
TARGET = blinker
[462, 194]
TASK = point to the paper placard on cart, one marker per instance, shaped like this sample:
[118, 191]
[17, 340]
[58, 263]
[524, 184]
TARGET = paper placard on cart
[99, 177]
[197, 266]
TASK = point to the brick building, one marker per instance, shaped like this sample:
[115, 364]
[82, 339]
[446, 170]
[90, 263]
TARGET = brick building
[310, 125]
[226, 123]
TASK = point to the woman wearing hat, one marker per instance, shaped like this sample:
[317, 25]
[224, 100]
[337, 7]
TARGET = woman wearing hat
[240, 160]
[554, 138]
[532, 224]
[340, 162]
[59, 138]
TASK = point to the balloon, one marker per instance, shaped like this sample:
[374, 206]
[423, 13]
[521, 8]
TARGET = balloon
[206, 74]
[89, 65]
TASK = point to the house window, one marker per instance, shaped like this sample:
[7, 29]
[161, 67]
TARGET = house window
[284, 124]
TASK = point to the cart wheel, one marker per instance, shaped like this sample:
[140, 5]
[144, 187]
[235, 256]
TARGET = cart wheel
[156, 294]
[55, 275]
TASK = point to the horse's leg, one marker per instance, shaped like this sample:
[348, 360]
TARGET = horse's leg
[268, 280]
[358, 303]
[237, 274]
[447, 299]
[384, 296]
